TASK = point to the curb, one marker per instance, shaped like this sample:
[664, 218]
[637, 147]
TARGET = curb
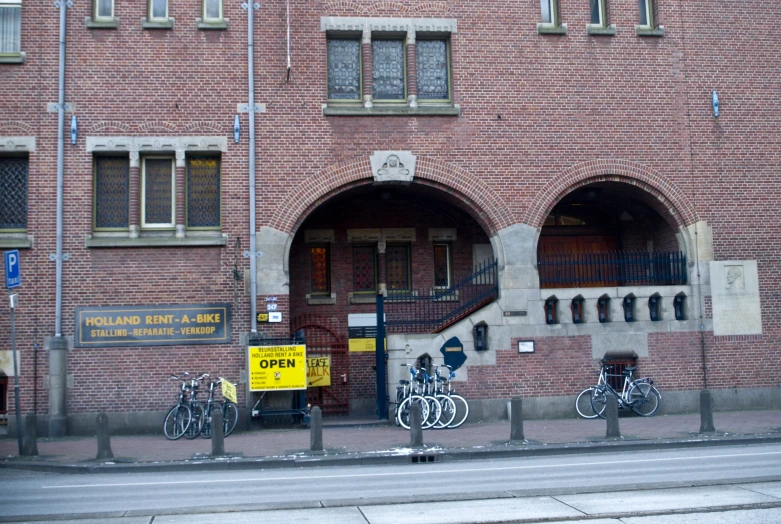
[400, 456]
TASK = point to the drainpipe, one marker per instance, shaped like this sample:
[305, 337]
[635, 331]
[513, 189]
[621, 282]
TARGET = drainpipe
[251, 107]
[58, 346]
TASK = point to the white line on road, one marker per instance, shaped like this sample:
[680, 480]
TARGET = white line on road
[413, 473]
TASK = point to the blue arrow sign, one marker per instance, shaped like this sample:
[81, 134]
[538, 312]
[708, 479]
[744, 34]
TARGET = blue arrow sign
[13, 276]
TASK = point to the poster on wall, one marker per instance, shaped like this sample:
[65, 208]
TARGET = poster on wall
[362, 332]
[318, 371]
[277, 368]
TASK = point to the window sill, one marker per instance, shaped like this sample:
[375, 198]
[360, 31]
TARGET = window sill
[321, 300]
[13, 58]
[101, 24]
[362, 298]
[598, 30]
[379, 110]
[220, 25]
[165, 24]
[549, 29]
[14, 241]
[168, 241]
[644, 30]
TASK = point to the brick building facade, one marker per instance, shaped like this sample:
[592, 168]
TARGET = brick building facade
[396, 146]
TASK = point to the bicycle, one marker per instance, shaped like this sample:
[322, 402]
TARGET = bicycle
[403, 409]
[639, 395]
[460, 405]
[230, 412]
[583, 400]
[196, 409]
[178, 419]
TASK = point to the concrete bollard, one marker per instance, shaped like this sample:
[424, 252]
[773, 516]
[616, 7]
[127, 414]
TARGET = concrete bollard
[415, 426]
[611, 413]
[316, 429]
[218, 437]
[516, 419]
[104, 438]
[30, 439]
[706, 412]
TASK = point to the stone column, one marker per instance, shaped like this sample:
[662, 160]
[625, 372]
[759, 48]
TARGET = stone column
[58, 383]
[135, 188]
[382, 276]
[180, 198]
[412, 69]
[366, 43]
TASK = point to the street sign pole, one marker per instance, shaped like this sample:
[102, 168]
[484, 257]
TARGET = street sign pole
[12, 299]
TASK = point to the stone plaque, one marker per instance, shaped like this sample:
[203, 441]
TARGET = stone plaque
[735, 293]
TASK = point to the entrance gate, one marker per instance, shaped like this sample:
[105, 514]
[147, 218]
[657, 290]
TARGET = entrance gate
[322, 341]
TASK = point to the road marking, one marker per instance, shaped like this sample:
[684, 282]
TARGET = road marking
[411, 473]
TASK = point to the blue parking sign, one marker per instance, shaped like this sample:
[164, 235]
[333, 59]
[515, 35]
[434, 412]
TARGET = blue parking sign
[13, 276]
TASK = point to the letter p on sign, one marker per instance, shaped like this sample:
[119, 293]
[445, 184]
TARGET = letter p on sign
[13, 276]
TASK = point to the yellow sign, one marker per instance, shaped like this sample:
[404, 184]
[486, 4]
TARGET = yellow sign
[318, 372]
[228, 391]
[262, 317]
[357, 345]
[277, 367]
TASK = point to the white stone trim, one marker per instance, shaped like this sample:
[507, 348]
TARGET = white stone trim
[363, 235]
[319, 236]
[157, 144]
[379, 24]
[386, 168]
[398, 234]
[442, 234]
[17, 144]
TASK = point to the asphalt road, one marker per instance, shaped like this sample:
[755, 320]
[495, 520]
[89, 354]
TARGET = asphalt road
[626, 485]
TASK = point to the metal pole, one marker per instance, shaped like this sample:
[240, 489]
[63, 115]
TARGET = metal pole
[16, 379]
[382, 403]
[251, 6]
[60, 173]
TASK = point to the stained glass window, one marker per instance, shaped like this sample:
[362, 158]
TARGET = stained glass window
[441, 265]
[388, 70]
[344, 69]
[10, 27]
[364, 269]
[13, 193]
[158, 208]
[112, 191]
[397, 260]
[433, 78]
[319, 270]
[203, 191]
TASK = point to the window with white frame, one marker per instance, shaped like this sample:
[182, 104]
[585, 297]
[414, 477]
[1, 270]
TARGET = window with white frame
[13, 193]
[410, 62]
[158, 10]
[598, 13]
[10, 27]
[443, 266]
[646, 8]
[103, 10]
[548, 8]
[212, 10]
[158, 194]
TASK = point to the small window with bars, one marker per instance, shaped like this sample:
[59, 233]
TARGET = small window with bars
[319, 270]
[13, 193]
[364, 269]
[443, 266]
[111, 192]
[203, 192]
[397, 260]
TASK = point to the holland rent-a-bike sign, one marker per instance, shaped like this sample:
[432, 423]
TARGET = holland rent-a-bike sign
[13, 277]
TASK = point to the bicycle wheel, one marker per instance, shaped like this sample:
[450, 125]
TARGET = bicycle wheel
[198, 416]
[462, 411]
[644, 399]
[206, 429]
[434, 412]
[599, 401]
[403, 413]
[448, 411]
[230, 416]
[177, 421]
[583, 404]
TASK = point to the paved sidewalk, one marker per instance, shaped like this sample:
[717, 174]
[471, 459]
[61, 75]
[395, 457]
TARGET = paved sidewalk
[366, 441]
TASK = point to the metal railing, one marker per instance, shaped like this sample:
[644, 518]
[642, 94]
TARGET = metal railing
[612, 268]
[432, 310]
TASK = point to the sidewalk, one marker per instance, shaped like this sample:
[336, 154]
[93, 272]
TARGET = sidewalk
[367, 441]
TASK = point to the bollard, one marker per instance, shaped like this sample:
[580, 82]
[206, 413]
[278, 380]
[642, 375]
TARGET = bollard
[415, 425]
[706, 412]
[218, 436]
[516, 419]
[30, 440]
[104, 438]
[316, 429]
[611, 413]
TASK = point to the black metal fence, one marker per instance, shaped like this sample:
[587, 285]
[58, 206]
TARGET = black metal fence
[432, 310]
[612, 268]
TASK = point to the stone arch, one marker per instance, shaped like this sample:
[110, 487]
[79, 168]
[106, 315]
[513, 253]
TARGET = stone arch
[487, 207]
[677, 206]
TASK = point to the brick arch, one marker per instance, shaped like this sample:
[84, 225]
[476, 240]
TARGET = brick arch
[343, 6]
[484, 204]
[109, 125]
[671, 197]
[16, 127]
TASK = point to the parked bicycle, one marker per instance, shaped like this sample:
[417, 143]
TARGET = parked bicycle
[230, 412]
[639, 395]
[409, 396]
[583, 401]
[178, 419]
[459, 404]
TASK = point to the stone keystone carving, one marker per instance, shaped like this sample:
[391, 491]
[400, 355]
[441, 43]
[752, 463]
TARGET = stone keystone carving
[393, 166]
